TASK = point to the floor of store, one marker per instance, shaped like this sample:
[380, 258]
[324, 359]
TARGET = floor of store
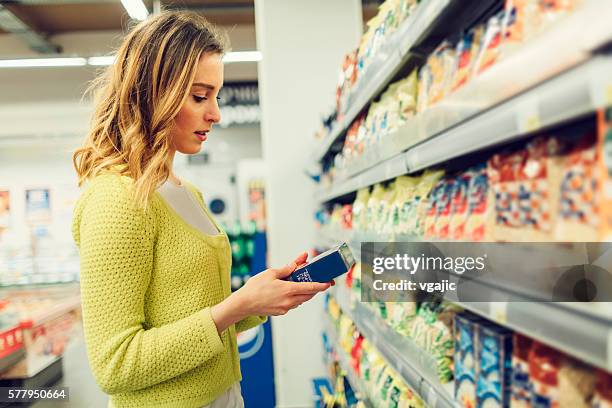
[84, 392]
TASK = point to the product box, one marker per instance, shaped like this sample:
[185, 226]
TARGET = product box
[494, 355]
[466, 370]
[521, 385]
[326, 266]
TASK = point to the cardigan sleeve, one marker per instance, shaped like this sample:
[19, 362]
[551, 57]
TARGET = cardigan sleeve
[116, 243]
[250, 322]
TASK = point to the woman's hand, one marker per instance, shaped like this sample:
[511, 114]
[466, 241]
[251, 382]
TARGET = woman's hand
[267, 294]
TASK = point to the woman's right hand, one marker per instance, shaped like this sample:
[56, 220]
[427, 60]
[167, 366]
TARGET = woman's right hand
[268, 294]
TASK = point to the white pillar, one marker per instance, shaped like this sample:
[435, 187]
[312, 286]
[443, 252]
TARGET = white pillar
[303, 44]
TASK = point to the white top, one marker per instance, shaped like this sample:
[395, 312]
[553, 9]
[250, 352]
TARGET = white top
[187, 206]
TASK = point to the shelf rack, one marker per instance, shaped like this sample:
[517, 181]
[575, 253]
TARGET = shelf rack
[583, 330]
[414, 38]
[343, 360]
[415, 366]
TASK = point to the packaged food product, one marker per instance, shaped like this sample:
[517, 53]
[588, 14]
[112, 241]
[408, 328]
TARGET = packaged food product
[544, 365]
[466, 367]
[522, 21]
[406, 94]
[524, 184]
[432, 331]
[441, 64]
[373, 205]
[478, 204]
[382, 220]
[491, 44]
[360, 206]
[347, 216]
[422, 201]
[494, 353]
[403, 203]
[521, 386]
[425, 81]
[437, 221]
[603, 390]
[576, 384]
[402, 317]
[459, 205]
[580, 215]
[467, 52]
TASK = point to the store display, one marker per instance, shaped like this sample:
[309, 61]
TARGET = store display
[550, 182]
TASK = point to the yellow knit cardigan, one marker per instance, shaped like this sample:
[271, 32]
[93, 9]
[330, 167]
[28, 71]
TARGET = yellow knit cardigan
[148, 280]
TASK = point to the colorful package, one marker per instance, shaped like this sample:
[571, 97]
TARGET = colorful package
[580, 215]
[478, 205]
[382, 221]
[491, 44]
[523, 185]
[437, 220]
[603, 390]
[544, 365]
[422, 200]
[521, 386]
[425, 81]
[406, 94]
[466, 368]
[459, 205]
[494, 353]
[404, 199]
[360, 206]
[467, 53]
[522, 21]
[576, 384]
[402, 317]
[432, 331]
[441, 64]
[373, 206]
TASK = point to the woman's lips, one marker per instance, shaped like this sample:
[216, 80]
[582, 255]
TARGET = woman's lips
[201, 136]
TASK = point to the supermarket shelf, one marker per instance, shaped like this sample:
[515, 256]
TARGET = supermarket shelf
[570, 95]
[583, 330]
[10, 360]
[429, 17]
[343, 359]
[415, 366]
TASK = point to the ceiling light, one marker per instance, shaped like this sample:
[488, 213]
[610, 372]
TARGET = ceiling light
[43, 62]
[136, 9]
[242, 56]
[105, 60]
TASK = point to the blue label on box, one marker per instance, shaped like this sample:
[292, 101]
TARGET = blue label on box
[323, 268]
[494, 354]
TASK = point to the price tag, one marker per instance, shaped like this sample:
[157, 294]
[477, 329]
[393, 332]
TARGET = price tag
[528, 116]
[499, 312]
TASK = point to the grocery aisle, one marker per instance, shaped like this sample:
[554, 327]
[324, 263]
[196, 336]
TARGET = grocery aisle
[84, 392]
[466, 134]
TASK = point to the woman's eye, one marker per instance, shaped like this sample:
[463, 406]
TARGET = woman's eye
[199, 99]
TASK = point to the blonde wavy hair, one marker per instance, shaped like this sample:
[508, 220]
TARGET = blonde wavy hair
[138, 97]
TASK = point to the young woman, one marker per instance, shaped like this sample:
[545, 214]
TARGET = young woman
[160, 322]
